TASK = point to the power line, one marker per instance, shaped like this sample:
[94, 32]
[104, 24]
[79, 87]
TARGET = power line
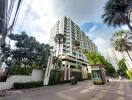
[16, 15]
[26, 12]
[10, 9]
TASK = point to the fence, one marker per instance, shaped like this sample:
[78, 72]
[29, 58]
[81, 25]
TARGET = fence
[37, 75]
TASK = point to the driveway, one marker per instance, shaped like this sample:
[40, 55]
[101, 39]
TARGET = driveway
[115, 90]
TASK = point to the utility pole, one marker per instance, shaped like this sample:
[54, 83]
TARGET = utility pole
[3, 24]
[6, 9]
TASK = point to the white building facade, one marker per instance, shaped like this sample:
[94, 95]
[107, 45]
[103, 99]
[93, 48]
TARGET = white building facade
[114, 56]
[71, 57]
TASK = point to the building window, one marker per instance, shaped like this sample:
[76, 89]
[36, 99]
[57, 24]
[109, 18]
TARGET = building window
[64, 50]
[96, 74]
[68, 51]
[68, 39]
[73, 53]
[68, 43]
[68, 46]
[67, 35]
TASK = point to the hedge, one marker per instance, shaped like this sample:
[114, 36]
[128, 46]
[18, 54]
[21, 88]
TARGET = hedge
[57, 77]
[20, 71]
[27, 85]
[89, 76]
[97, 82]
[78, 75]
[54, 77]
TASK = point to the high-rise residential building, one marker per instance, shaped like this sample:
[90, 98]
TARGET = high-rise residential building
[71, 57]
[114, 57]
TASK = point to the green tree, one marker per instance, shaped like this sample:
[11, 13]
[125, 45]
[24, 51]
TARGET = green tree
[29, 52]
[96, 58]
[121, 42]
[129, 73]
[93, 57]
[122, 68]
[115, 13]
[56, 62]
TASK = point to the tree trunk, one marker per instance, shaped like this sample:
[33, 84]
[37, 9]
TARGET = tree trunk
[125, 58]
[129, 55]
[19, 62]
[123, 55]
[129, 25]
[59, 50]
[76, 58]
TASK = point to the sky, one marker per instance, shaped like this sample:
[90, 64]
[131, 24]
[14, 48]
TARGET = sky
[37, 17]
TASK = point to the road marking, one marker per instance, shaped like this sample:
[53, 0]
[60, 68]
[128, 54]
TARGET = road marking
[61, 93]
[120, 98]
[99, 95]
[121, 87]
[65, 96]
[87, 89]
[25, 98]
[75, 88]
[95, 99]
[119, 92]
[84, 91]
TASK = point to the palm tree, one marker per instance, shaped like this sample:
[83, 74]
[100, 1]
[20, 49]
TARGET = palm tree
[121, 42]
[59, 39]
[76, 46]
[115, 13]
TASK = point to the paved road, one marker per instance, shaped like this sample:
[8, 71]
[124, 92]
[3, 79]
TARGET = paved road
[116, 90]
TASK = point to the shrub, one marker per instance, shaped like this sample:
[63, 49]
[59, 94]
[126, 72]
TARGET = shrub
[97, 82]
[78, 75]
[129, 73]
[57, 77]
[64, 81]
[89, 75]
[27, 85]
[54, 77]
[20, 71]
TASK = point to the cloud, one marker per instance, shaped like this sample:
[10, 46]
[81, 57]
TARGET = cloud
[100, 34]
[102, 43]
[37, 17]
[80, 11]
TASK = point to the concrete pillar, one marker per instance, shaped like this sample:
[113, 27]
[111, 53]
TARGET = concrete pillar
[83, 72]
[65, 71]
[69, 72]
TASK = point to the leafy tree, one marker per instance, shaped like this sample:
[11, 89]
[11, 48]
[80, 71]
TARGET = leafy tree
[96, 58]
[29, 52]
[122, 68]
[76, 44]
[56, 62]
[115, 13]
[121, 42]
[129, 73]
[93, 57]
